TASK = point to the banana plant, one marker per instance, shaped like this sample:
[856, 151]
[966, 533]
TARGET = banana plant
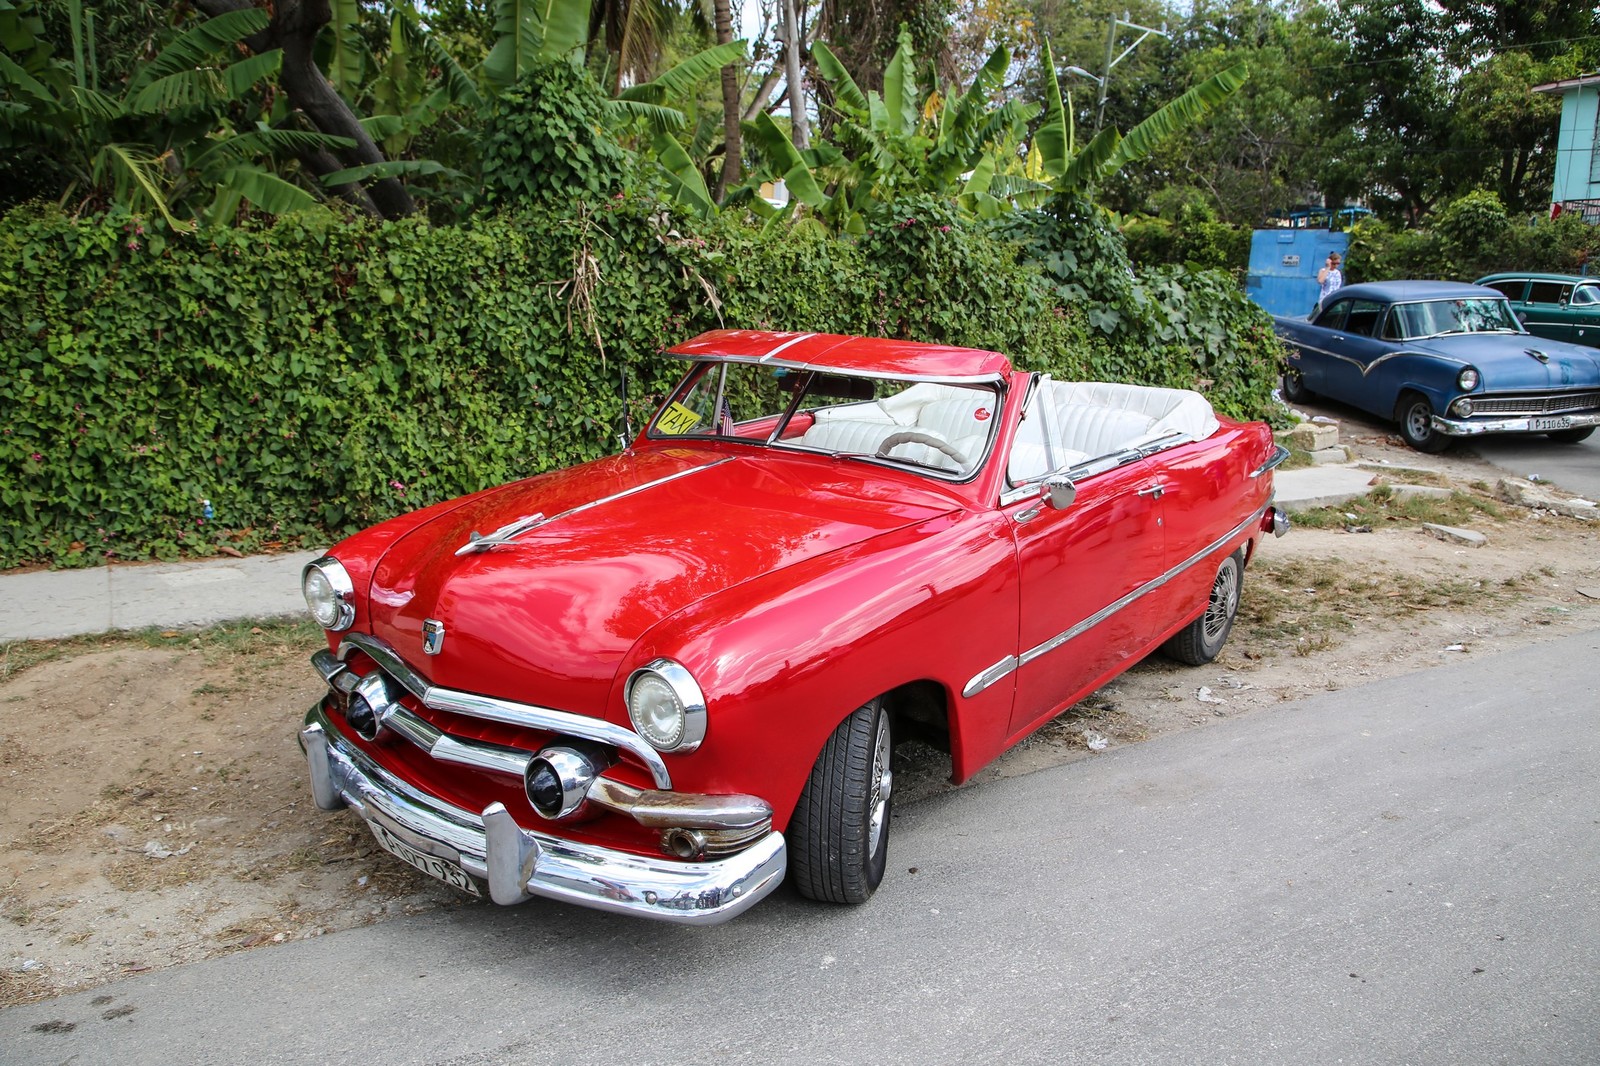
[899, 142]
[163, 144]
[1065, 171]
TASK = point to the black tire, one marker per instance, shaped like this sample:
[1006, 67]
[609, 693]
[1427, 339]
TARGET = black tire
[1201, 640]
[1571, 436]
[839, 835]
[1415, 415]
[1294, 387]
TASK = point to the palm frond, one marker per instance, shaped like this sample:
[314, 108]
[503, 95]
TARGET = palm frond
[1053, 140]
[1186, 111]
[347, 52]
[845, 89]
[266, 190]
[657, 115]
[684, 180]
[682, 79]
[200, 87]
[392, 168]
[195, 47]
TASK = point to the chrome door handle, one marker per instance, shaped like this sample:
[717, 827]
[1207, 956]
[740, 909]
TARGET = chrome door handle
[1155, 492]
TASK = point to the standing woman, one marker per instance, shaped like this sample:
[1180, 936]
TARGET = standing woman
[1329, 278]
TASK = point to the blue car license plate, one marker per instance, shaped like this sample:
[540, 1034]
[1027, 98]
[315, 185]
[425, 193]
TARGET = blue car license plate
[432, 865]
[1546, 425]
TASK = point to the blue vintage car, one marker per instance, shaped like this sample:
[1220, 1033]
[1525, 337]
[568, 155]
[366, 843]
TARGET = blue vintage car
[1442, 359]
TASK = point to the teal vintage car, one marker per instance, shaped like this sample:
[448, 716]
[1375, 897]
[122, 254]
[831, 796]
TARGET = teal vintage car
[1562, 307]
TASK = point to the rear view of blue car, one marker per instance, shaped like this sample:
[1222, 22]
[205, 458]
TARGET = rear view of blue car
[1442, 360]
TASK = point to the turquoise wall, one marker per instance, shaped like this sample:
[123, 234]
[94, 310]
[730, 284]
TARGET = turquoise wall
[1577, 165]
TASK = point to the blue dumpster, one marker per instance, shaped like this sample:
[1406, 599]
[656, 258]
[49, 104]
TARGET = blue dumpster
[1284, 265]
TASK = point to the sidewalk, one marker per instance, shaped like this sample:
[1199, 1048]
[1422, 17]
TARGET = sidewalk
[48, 604]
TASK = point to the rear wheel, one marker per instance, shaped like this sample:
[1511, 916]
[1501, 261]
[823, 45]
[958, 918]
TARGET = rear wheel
[839, 835]
[1201, 640]
[1294, 387]
[1571, 436]
[1415, 415]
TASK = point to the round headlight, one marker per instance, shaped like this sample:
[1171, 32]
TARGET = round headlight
[329, 593]
[1462, 407]
[1468, 379]
[667, 707]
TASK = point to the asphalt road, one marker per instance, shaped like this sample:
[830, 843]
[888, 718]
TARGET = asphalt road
[1404, 872]
[1574, 467]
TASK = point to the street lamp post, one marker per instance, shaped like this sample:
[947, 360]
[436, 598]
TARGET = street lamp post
[1111, 48]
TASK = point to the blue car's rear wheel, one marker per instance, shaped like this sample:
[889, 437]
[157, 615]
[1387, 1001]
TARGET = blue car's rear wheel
[1415, 415]
[1294, 387]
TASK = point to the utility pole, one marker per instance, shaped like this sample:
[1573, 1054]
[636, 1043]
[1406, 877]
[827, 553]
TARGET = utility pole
[1111, 48]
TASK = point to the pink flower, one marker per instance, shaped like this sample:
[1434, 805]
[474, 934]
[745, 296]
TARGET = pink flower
[36, 457]
[133, 246]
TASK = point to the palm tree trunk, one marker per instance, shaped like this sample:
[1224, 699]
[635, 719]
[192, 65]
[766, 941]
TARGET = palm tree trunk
[731, 138]
[792, 47]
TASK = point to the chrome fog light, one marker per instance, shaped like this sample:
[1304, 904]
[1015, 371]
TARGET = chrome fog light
[1462, 407]
[329, 593]
[666, 706]
[369, 705]
[557, 781]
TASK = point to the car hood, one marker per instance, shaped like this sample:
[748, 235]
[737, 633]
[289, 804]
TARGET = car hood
[624, 543]
[1506, 364]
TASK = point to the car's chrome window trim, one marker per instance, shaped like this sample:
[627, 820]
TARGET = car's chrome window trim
[1010, 664]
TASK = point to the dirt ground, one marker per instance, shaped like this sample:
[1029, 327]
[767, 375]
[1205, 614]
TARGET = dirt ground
[157, 810]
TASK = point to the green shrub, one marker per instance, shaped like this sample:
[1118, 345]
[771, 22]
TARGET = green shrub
[309, 378]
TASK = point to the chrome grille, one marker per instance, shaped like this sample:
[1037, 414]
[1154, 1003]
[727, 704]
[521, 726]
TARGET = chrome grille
[1555, 403]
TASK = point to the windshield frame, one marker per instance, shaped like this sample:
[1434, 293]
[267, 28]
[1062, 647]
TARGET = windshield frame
[1395, 319]
[804, 401]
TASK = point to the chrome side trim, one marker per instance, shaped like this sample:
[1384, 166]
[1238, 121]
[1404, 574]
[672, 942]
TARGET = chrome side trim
[1106, 612]
[520, 863]
[1000, 670]
[1279, 454]
[508, 712]
[1366, 368]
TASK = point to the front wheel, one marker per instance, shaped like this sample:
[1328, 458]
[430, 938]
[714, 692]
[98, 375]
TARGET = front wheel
[1571, 436]
[1415, 415]
[839, 835]
[1201, 640]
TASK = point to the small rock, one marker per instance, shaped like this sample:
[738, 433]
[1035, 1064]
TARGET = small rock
[30, 965]
[1471, 538]
[1205, 696]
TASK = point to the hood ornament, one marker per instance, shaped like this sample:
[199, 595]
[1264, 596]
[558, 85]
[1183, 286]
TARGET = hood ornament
[477, 542]
[1537, 354]
[432, 636]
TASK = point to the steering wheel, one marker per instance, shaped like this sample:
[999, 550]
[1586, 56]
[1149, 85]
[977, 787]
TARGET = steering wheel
[917, 436]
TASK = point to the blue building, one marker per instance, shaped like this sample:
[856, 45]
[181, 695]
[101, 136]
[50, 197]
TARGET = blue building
[1577, 185]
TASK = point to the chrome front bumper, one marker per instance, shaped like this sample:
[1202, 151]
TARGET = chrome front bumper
[517, 864]
[1476, 427]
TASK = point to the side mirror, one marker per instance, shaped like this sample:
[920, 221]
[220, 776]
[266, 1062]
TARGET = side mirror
[1058, 492]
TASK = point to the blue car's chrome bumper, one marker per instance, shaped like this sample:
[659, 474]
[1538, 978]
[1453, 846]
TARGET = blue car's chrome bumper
[1474, 427]
[516, 863]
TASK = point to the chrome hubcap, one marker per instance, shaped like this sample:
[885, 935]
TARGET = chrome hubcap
[882, 785]
[1224, 598]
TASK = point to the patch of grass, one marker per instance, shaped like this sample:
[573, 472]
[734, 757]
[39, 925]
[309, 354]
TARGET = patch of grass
[248, 637]
[1382, 506]
[1304, 605]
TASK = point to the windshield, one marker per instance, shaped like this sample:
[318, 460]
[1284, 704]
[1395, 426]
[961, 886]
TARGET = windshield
[1436, 318]
[939, 428]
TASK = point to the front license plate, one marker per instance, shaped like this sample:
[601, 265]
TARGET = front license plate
[1546, 425]
[444, 870]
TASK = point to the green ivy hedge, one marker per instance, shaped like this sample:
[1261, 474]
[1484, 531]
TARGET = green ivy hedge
[233, 388]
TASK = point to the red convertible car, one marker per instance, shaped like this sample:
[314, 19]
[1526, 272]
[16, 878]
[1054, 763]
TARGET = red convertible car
[660, 682]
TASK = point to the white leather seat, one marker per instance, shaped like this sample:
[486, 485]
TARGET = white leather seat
[1085, 420]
